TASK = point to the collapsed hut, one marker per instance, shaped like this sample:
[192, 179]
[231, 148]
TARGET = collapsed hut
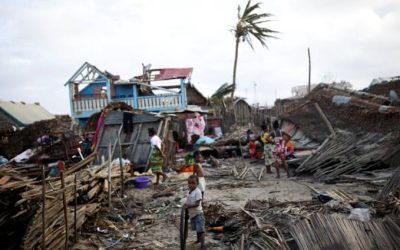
[356, 130]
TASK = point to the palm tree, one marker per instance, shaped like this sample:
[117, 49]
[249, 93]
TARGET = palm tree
[248, 27]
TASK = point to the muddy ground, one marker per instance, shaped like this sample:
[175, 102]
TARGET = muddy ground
[140, 221]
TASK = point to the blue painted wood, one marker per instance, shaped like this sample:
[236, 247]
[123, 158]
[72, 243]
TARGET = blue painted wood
[108, 91]
[183, 94]
[70, 91]
[124, 93]
[135, 97]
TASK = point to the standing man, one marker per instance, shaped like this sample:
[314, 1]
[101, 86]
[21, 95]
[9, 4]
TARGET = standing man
[157, 156]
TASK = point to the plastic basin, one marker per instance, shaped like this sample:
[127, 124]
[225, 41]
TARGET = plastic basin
[141, 181]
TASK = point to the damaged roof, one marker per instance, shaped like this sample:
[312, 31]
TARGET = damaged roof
[349, 110]
[24, 113]
[166, 74]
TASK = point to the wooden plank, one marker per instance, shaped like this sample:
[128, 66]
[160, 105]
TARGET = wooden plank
[327, 122]
[4, 180]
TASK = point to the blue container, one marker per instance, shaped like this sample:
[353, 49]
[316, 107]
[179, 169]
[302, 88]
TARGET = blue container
[142, 181]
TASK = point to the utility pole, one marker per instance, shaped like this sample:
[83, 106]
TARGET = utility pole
[309, 72]
[255, 93]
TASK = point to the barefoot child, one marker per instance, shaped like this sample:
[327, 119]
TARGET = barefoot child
[193, 204]
[199, 172]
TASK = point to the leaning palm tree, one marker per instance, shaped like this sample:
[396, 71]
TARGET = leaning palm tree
[247, 27]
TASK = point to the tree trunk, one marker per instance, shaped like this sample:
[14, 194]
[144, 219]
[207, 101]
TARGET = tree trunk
[234, 66]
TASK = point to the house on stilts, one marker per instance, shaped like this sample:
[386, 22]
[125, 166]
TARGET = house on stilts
[91, 89]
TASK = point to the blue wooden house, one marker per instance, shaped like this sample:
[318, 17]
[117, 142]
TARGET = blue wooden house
[90, 90]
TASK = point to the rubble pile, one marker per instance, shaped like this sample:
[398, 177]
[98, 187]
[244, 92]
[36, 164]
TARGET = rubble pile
[61, 139]
[140, 221]
[322, 231]
[23, 201]
[235, 136]
[384, 88]
[348, 153]
[391, 186]
[261, 223]
[269, 224]
[353, 111]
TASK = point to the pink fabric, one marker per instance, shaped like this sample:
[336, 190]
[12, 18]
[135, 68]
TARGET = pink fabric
[279, 151]
[195, 126]
[99, 124]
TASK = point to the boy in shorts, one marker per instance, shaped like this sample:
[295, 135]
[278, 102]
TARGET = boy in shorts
[193, 204]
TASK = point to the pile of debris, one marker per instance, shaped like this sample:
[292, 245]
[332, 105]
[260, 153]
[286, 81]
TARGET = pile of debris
[383, 88]
[236, 136]
[322, 231]
[347, 153]
[356, 130]
[36, 210]
[301, 225]
[55, 139]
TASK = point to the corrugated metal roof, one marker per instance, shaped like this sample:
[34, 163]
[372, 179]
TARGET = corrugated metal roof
[25, 113]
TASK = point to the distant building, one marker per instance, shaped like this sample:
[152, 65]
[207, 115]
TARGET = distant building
[17, 115]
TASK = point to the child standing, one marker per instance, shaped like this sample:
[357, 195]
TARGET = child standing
[199, 172]
[193, 204]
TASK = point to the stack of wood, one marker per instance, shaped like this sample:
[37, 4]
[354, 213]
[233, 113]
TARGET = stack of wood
[89, 190]
[348, 153]
[92, 188]
[14, 217]
[391, 186]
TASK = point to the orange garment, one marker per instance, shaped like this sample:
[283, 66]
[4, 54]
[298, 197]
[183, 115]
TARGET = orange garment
[289, 147]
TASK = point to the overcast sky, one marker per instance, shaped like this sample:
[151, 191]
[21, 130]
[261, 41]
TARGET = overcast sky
[43, 43]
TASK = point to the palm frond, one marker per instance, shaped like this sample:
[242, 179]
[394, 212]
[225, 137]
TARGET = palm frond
[250, 25]
[222, 91]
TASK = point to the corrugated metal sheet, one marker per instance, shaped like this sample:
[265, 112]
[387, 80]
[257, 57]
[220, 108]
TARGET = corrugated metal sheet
[25, 113]
[136, 144]
[116, 117]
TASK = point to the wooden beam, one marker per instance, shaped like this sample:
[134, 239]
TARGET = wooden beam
[323, 116]
[157, 87]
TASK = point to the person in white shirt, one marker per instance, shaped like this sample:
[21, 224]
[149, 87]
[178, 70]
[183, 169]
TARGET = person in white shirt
[193, 204]
[199, 172]
[157, 157]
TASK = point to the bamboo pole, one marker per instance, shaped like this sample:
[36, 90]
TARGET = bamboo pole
[61, 166]
[327, 122]
[120, 165]
[261, 173]
[43, 208]
[109, 174]
[75, 206]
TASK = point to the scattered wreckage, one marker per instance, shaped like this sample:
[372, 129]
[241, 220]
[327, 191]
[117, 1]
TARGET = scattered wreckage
[341, 136]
